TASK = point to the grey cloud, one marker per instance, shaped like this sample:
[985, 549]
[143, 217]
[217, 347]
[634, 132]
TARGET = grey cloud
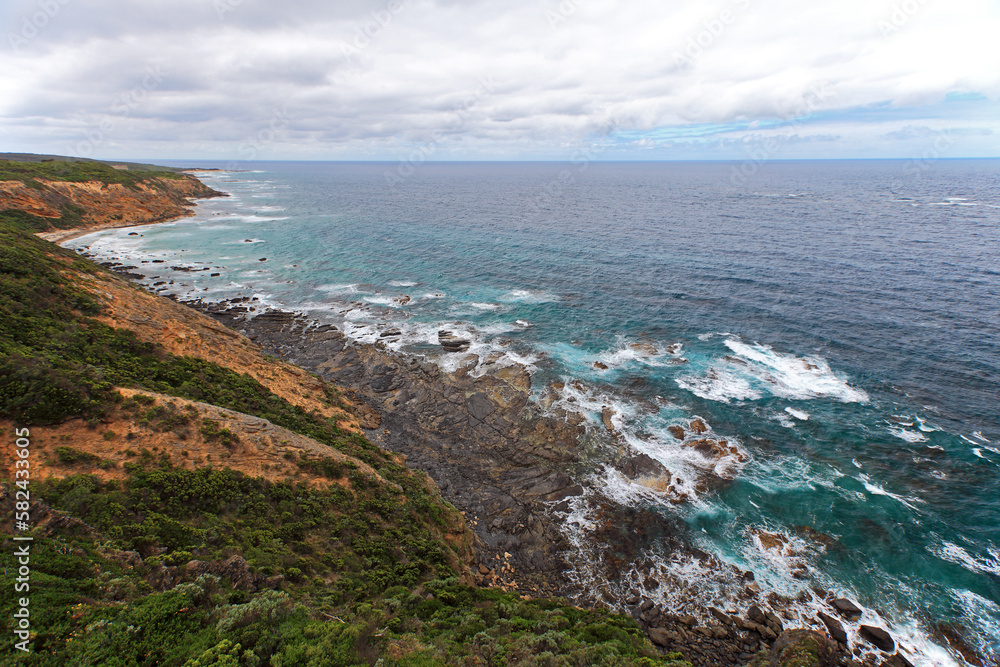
[366, 75]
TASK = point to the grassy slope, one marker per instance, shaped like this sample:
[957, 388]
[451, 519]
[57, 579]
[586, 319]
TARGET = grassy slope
[366, 575]
[79, 172]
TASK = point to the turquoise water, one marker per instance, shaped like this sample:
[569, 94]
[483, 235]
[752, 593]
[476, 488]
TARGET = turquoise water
[837, 322]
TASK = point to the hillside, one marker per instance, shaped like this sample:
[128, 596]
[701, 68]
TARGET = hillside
[197, 502]
[61, 195]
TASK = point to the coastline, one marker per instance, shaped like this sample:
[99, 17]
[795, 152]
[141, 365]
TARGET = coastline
[506, 510]
[64, 235]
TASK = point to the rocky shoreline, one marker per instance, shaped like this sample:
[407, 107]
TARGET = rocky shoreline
[516, 473]
[521, 473]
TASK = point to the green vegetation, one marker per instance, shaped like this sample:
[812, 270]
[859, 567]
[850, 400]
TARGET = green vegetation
[362, 578]
[79, 172]
[70, 456]
[358, 572]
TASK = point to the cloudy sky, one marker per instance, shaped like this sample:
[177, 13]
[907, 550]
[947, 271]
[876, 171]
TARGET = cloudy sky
[519, 79]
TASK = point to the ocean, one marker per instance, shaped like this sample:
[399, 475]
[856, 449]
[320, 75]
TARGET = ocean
[837, 322]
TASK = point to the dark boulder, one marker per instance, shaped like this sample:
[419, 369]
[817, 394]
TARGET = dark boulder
[878, 637]
[835, 627]
[846, 607]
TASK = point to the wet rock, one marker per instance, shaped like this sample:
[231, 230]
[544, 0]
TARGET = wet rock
[846, 607]
[676, 431]
[600, 366]
[960, 641]
[721, 616]
[773, 622]
[645, 347]
[756, 614]
[897, 659]
[814, 535]
[452, 343]
[262, 259]
[835, 627]
[698, 426]
[878, 637]
[771, 540]
[606, 415]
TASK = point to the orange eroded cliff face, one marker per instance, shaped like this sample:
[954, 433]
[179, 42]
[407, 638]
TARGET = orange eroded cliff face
[256, 447]
[184, 331]
[107, 204]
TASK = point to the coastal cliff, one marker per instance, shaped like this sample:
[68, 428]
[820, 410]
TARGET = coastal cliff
[88, 195]
[157, 399]
[196, 501]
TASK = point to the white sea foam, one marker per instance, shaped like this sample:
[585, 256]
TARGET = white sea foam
[798, 414]
[528, 296]
[955, 554]
[479, 305]
[719, 385]
[795, 378]
[402, 283]
[925, 427]
[347, 288]
[386, 300]
[909, 436]
[983, 617]
[709, 336]
[877, 490]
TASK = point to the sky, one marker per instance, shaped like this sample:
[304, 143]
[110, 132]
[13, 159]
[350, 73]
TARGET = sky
[418, 80]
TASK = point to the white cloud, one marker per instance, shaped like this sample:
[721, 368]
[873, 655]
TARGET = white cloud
[373, 78]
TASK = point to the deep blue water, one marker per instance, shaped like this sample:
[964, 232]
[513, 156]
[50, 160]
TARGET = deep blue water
[838, 321]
